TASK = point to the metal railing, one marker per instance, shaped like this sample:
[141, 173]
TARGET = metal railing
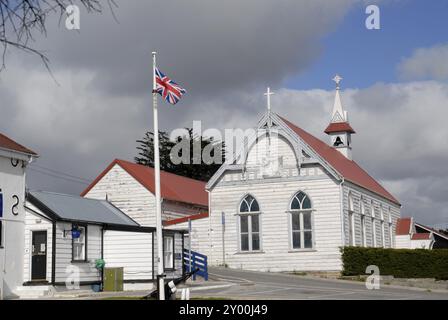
[197, 261]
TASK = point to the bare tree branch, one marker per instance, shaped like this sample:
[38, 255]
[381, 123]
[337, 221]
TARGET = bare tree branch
[20, 20]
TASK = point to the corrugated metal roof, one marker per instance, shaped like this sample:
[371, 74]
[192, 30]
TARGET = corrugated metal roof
[75, 208]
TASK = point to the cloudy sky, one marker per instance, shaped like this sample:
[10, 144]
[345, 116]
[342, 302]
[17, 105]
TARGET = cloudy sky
[225, 53]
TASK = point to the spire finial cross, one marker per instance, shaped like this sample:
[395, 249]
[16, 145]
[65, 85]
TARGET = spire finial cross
[268, 94]
[337, 79]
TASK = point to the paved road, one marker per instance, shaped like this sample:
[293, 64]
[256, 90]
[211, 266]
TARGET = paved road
[263, 285]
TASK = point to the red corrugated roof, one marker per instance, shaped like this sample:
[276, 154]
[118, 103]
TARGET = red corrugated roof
[9, 144]
[185, 219]
[403, 226]
[421, 236]
[339, 127]
[173, 187]
[349, 169]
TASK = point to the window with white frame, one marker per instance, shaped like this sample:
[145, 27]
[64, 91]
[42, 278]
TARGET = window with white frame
[301, 222]
[372, 213]
[351, 220]
[79, 243]
[391, 234]
[383, 235]
[249, 218]
[168, 251]
[363, 223]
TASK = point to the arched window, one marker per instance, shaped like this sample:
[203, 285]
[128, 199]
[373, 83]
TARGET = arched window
[391, 234]
[363, 223]
[383, 235]
[351, 221]
[372, 213]
[249, 216]
[301, 221]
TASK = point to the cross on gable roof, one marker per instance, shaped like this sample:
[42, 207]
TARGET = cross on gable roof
[173, 187]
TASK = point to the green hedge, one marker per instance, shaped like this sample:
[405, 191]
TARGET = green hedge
[400, 263]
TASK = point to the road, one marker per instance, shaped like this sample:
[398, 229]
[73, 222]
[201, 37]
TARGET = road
[264, 285]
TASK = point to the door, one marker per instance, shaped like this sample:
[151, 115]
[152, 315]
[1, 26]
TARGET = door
[39, 256]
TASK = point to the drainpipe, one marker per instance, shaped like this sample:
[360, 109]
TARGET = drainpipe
[209, 226]
[341, 192]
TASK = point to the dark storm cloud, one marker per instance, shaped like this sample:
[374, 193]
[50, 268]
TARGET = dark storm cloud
[102, 104]
[209, 46]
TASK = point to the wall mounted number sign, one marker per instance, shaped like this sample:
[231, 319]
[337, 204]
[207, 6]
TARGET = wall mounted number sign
[15, 206]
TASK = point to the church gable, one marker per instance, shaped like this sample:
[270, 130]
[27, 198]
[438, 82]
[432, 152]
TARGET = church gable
[271, 155]
[273, 152]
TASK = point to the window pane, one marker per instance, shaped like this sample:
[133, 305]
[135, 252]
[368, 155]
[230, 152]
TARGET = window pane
[295, 221]
[168, 251]
[244, 224]
[255, 223]
[308, 238]
[244, 207]
[255, 241]
[254, 206]
[307, 220]
[78, 251]
[168, 244]
[79, 245]
[244, 242]
[300, 196]
[306, 204]
[295, 205]
[249, 199]
[296, 240]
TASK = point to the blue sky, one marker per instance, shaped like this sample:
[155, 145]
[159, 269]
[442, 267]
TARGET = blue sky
[364, 57]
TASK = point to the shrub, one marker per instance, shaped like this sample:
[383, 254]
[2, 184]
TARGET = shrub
[400, 263]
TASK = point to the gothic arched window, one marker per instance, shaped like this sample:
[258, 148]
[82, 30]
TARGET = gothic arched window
[249, 219]
[301, 212]
[351, 221]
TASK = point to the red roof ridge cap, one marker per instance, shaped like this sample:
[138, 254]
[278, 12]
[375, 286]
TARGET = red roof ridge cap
[164, 171]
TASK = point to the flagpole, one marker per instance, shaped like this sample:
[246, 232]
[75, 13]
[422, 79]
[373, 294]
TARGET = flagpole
[160, 269]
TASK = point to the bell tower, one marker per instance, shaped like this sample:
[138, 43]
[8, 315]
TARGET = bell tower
[339, 129]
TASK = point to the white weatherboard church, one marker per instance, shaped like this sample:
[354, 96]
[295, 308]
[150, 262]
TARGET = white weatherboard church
[288, 201]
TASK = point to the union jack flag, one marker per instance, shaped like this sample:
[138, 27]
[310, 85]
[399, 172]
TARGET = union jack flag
[167, 88]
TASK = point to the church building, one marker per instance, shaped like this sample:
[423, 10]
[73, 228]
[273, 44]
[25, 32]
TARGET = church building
[288, 201]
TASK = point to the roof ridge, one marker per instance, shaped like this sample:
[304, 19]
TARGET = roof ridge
[67, 195]
[335, 159]
[25, 149]
[164, 171]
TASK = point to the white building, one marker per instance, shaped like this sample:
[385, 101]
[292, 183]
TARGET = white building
[14, 158]
[288, 201]
[55, 260]
[413, 235]
[130, 187]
